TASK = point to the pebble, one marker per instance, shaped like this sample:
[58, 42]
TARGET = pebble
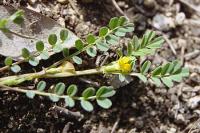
[149, 3]
[180, 17]
[61, 21]
[180, 119]
[171, 130]
[63, 1]
[162, 22]
[194, 102]
[32, 2]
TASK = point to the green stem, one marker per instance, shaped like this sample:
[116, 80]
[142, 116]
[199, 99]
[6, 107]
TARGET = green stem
[15, 80]
[80, 51]
[47, 94]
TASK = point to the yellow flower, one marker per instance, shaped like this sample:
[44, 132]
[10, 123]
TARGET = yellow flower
[124, 64]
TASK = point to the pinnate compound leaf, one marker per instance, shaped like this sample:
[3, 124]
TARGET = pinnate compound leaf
[8, 61]
[30, 94]
[86, 105]
[15, 68]
[88, 92]
[77, 60]
[41, 86]
[72, 90]
[69, 102]
[59, 88]
[104, 103]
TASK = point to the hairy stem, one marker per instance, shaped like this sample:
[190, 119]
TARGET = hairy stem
[47, 94]
[15, 80]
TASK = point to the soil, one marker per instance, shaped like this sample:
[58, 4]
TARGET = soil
[137, 107]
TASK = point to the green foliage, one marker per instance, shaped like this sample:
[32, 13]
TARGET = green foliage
[79, 44]
[108, 36]
[146, 45]
[169, 72]
[86, 105]
[87, 96]
[59, 88]
[33, 61]
[25, 53]
[65, 52]
[17, 17]
[77, 60]
[30, 94]
[15, 68]
[145, 67]
[52, 39]
[8, 61]
[90, 39]
[41, 86]
[39, 46]
[63, 34]
[91, 51]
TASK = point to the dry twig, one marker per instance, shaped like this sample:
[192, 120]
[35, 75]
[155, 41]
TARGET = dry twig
[76, 115]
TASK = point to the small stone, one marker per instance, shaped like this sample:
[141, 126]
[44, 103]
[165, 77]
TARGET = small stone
[180, 119]
[63, 1]
[32, 2]
[162, 22]
[61, 21]
[131, 120]
[180, 17]
[171, 130]
[64, 12]
[149, 3]
[40, 130]
[194, 102]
